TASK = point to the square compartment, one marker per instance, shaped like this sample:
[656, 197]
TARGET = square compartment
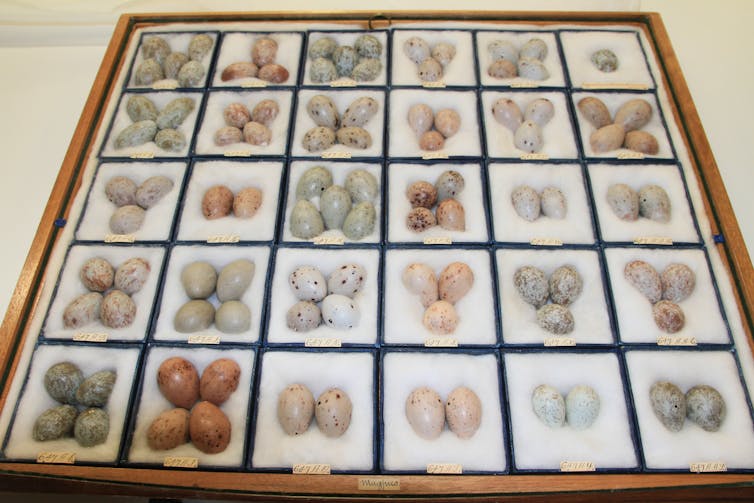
[552, 59]
[339, 171]
[70, 287]
[35, 400]
[557, 134]
[401, 176]
[590, 310]
[213, 120]
[403, 449]
[347, 38]
[352, 372]
[460, 70]
[680, 227]
[404, 311]
[282, 297]
[174, 295]
[152, 403]
[607, 442]
[704, 321]
[509, 226]
[732, 444]
[236, 47]
[158, 221]
[236, 175]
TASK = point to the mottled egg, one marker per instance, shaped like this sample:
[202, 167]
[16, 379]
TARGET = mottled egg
[323, 111]
[322, 48]
[678, 282]
[200, 46]
[92, 427]
[169, 430]
[209, 428]
[239, 70]
[417, 49]
[174, 113]
[430, 70]
[425, 413]
[233, 317]
[633, 114]
[340, 312]
[360, 221]
[565, 285]
[247, 202]
[455, 281]
[449, 184]
[234, 279]
[264, 51]
[422, 194]
[420, 279]
[528, 137]
[255, 133]
[318, 139]
[156, 48]
[582, 407]
[140, 108]
[265, 112]
[502, 69]
[540, 111]
[333, 412]
[361, 186]
[526, 202]
[644, 278]
[191, 74]
[228, 135]
[531, 284]
[607, 138]
[178, 382]
[95, 390]
[368, 46]
[555, 319]
[217, 202]
[62, 380]
[360, 111]
[354, 137]
[450, 215]
[605, 60]
[443, 53]
[366, 69]
[194, 316]
[463, 411]
[199, 279]
[121, 191]
[420, 219]
[117, 310]
[334, 206]
[313, 182]
[219, 380]
[308, 283]
[420, 118]
[440, 318]
[347, 280]
[236, 115]
[668, 404]
[171, 140]
[705, 406]
[82, 310]
[654, 203]
[152, 190]
[668, 316]
[303, 316]
[306, 221]
[273, 73]
[506, 112]
[295, 409]
[322, 70]
[97, 274]
[624, 201]
[548, 405]
[55, 423]
[553, 203]
[447, 122]
[345, 58]
[594, 111]
[127, 219]
[534, 48]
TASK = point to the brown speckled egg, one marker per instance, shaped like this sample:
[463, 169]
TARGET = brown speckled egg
[247, 202]
[463, 411]
[421, 194]
[644, 278]
[333, 412]
[431, 140]
[295, 409]
[425, 413]
[451, 215]
[178, 381]
[455, 281]
[209, 428]
[217, 202]
[668, 316]
[440, 318]
[118, 310]
[420, 219]
[219, 380]
[678, 282]
[169, 430]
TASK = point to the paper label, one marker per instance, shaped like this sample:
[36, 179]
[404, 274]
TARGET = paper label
[560, 341]
[336, 155]
[90, 337]
[708, 467]
[546, 242]
[630, 155]
[254, 83]
[444, 468]
[57, 458]
[165, 84]
[311, 469]
[433, 85]
[203, 339]
[442, 240]
[237, 153]
[224, 238]
[142, 155]
[343, 83]
[525, 83]
[322, 342]
[534, 157]
[119, 238]
[434, 155]
[379, 484]
[669, 340]
[441, 342]
[180, 462]
[329, 240]
[653, 240]
[614, 85]
[577, 466]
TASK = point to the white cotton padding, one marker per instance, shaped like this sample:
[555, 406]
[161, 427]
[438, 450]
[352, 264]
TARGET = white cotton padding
[519, 38]
[178, 42]
[460, 70]
[236, 47]
[348, 38]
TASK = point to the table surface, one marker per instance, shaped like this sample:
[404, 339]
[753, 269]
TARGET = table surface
[46, 83]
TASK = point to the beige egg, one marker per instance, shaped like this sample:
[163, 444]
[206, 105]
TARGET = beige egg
[455, 281]
[502, 69]
[678, 282]
[265, 112]
[451, 215]
[440, 318]
[117, 310]
[594, 111]
[420, 279]
[97, 274]
[209, 428]
[668, 316]
[239, 70]
[178, 381]
[432, 141]
[421, 194]
[236, 115]
[217, 202]
[420, 118]
[607, 138]
[425, 413]
[219, 380]
[463, 411]
[257, 134]
[295, 409]
[624, 201]
[644, 278]
[264, 51]
[633, 114]
[274, 73]
[641, 141]
[447, 122]
[169, 430]
[247, 202]
[333, 412]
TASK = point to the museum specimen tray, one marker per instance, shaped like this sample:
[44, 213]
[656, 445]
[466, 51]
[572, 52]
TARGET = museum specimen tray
[375, 208]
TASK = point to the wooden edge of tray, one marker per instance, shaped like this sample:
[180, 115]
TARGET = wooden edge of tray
[107, 480]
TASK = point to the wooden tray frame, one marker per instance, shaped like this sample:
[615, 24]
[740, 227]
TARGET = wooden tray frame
[278, 487]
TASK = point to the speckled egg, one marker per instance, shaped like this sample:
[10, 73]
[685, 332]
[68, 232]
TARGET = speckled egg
[219, 380]
[565, 285]
[265, 112]
[360, 221]
[121, 191]
[148, 72]
[322, 48]
[528, 137]
[607, 138]
[236, 114]
[540, 111]
[447, 122]
[367, 69]
[553, 203]
[306, 221]
[502, 69]
[534, 48]
[234, 279]
[548, 405]
[209, 428]
[706, 407]
[62, 380]
[345, 58]
[247, 202]
[227, 135]
[200, 46]
[178, 382]
[450, 215]
[171, 140]
[420, 279]
[233, 317]
[440, 318]
[295, 409]
[532, 69]
[92, 427]
[264, 51]
[83, 310]
[421, 194]
[678, 282]
[155, 47]
[463, 411]
[526, 202]
[152, 190]
[255, 133]
[55, 423]
[334, 206]
[555, 319]
[217, 202]
[360, 111]
[127, 219]
[417, 49]
[361, 186]
[633, 114]
[668, 404]
[169, 430]
[420, 118]
[420, 219]
[624, 201]
[174, 113]
[425, 413]
[354, 137]
[654, 203]
[368, 46]
[605, 60]
[594, 111]
[430, 70]
[95, 390]
[303, 316]
[443, 53]
[346, 280]
[503, 49]
[455, 281]
[644, 278]
[323, 111]
[239, 70]
[308, 283]
[136, 134]
[318, 139]
[340, 312]
[322, 70]
[449, 185]
[531, 284]
[118, 310]
[431, 141]
[668, 316]
[582, 407]
[199, 279]
[97, 274]
[313, 182]
[194, 316]
[333, 412]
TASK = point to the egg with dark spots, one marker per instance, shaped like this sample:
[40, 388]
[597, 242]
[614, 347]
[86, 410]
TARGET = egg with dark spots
[340, 312]
[347, 280]
[308, 283]
[333, 412]
[178, 382]
[425, 412]
[295, 409]
[209, 428]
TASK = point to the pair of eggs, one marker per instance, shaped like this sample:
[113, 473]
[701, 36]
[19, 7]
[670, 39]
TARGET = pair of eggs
[702, 404]
[579, 409]
[427, 414]
[296, 408]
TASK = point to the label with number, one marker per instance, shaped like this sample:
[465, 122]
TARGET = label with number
[560, 341]
[630, 155]
[322, 342]
[379, 484]
[180, 462]
[434, 155]
[546, 242]
[433, 85]
[165, 84]
[237, 153]
[653, 240]
[614, 85]
[90, 337]
[203, 339]
[343, 83]
[441, 342]
[57, 458]
[444, 468]
[577, 466]
[525, 84]
[254, 83]
[708, 467]
[534, 157]
[224, 238]
[329, 240]
[442, 240]
[120, 238]
[669, 340]
[142, 155]
[336, 155]
[311, 469]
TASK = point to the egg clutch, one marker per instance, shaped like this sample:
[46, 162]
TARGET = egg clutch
[475, 246]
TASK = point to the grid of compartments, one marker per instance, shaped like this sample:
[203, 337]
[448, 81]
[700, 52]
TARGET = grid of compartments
[374, 339]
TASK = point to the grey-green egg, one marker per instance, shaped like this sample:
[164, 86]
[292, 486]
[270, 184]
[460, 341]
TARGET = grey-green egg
[417, 49]
[706, 407]
[582, 407]
[55, 423]
[136, 134]
[308, 283]
[191, 74]
[152, 190]
[360, 221]
[295, 409]
[678, 282]
[171, 140]
[174, 113]
[633, 114]
[306, 221]
[532, 69]
[503, 49]
[82, 310]
[322, 48]
[555, 319]
[531, 284]
[360, 111]
[333, 412]
[361, 186]
[534, 48]
[303, 316]
[605, 60]
[141, 108]
[92, 427]
[313, 182]
[322, 70]
[233, 317]
[340, 312]
[345, 58]
[540, 111]
[200, 46]
[173, 63]
[148, 72]
[193, 316]
[654, 203]
[62, 380]
[95, 390]
[668, 404]
[528, 137]
[323, 111]
[318, 138]
[367, 69]
[368, 46]
[565, 285]
[548, 405]
[425, 412]
[199, 279]
[624, 201]
[420, 279]
[347, 280]
[334, 205]
[449, 184]
[645, 279]
[155, 47]
[526, 202]
[127, 219]
[234, 279]
[553, 203]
